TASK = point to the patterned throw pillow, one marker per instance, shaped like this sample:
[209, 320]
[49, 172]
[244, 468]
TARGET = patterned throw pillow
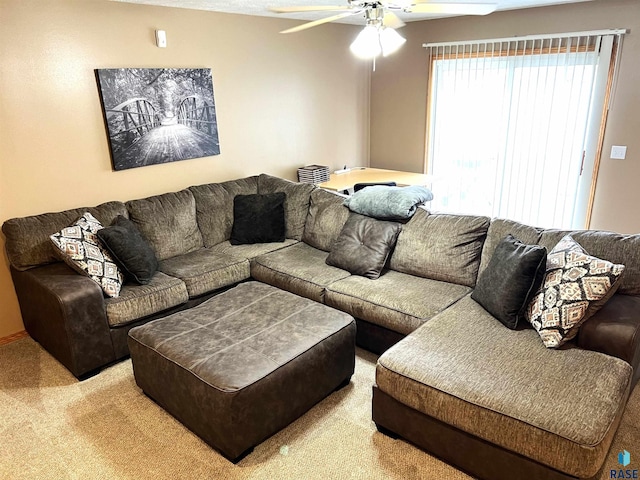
[81, 249]
[575, 286]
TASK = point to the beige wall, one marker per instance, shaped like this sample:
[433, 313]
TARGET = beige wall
[399, 95]
[283, 101]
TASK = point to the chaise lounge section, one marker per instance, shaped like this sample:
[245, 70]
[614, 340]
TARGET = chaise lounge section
[504, 406]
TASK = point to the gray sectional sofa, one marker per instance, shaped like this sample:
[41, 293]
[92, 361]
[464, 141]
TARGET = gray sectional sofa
[453, 380]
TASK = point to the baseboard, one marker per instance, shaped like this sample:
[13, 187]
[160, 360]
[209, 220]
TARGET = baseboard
[14, 337]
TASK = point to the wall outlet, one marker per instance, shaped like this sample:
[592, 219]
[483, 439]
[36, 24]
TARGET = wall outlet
[618, 152]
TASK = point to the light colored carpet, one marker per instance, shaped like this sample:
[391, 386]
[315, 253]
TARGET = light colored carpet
[54, 427]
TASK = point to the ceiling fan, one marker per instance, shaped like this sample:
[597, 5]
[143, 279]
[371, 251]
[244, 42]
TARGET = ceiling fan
[379, 35]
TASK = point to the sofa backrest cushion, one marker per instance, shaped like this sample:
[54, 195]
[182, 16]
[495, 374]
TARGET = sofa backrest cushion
[441, 247]
[214, 207]
[499, 229]
[27, 238]
[296, 205]
[327, 215]
[614, 247]
[168, 222]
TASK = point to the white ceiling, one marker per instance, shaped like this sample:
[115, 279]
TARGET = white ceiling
[261, 7]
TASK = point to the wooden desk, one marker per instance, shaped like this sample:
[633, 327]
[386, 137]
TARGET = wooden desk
[346, 181]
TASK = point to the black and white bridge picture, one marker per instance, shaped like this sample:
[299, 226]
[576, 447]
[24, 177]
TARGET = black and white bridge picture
[158, 115]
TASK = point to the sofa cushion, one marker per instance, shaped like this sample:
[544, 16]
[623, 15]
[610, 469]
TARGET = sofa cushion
[138, 301]
[258, 218]
[300, 269]
[214, 207]
[558, 407]
[512, 277]
[441, 247]
[364, 245]
[81, 249]
[614, 247]
[325, 219]
[388, 203]
[27, 238]
[251, 250]
[296, 205]
[500, 228]
[168, 222]
[575, 286]
[131, 252]
[205, 270]
[413, 301]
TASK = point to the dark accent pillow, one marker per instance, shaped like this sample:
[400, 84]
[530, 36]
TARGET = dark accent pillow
[512, 277]
[258, 218]
[364, 245]
[131, 252]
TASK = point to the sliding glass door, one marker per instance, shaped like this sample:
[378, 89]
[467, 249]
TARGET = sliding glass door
[515, 126]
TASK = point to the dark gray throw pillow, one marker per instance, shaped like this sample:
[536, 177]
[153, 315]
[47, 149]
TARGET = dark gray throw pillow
[258, 218]
[363, 246]
[131, 252]
[512, 277]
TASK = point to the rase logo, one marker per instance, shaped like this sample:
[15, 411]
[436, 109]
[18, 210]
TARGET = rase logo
[624, 459]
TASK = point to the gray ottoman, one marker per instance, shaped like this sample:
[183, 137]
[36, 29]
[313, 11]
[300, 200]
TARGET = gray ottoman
[244, 364]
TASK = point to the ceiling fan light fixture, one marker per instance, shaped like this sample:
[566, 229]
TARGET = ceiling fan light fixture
[390, 40]
[367, 43]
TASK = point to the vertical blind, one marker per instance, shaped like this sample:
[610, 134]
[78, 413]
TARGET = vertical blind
[512, 124]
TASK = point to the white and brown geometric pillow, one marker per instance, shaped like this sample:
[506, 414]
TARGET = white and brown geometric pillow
[575, 286]
[81, 249]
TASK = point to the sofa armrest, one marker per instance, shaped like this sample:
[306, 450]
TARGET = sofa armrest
[615, 330]
[65, 313]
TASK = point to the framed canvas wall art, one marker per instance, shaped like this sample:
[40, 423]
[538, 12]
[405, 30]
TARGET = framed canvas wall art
[158, 115]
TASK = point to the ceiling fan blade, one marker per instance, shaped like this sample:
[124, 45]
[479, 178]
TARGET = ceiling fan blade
[391, 20]
[315, 23]
[452, 8]
[317, 8]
